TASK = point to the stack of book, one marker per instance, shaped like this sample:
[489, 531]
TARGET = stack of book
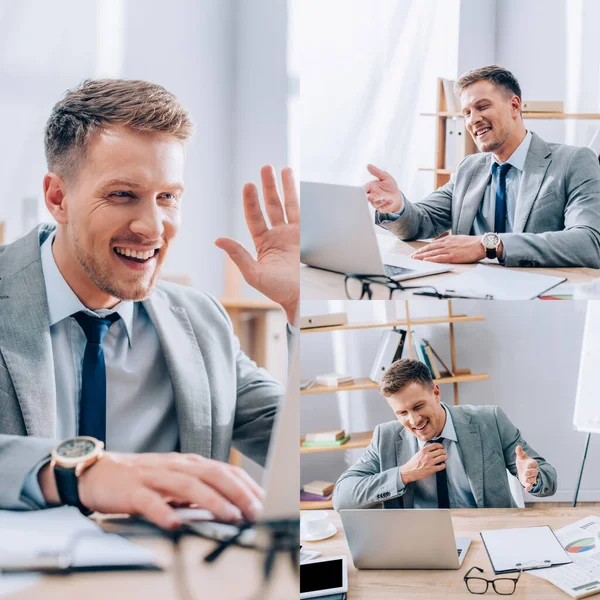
[317, 491]
[334, 379]
[325, 438]
[423, 351]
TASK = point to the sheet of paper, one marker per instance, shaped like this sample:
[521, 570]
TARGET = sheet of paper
[499, 283]
[63, 534]
[523, 548]
[581, 541]
[13, 583]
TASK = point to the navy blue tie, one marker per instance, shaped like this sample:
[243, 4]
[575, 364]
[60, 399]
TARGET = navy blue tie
[441, 479]
[500, 212]
[92, 407]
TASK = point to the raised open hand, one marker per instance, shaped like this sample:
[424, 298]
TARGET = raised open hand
[276, 270]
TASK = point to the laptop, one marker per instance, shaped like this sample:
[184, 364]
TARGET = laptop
[281, 483]
[338, 235]
[403, 538]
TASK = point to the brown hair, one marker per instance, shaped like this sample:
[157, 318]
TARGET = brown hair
[402, 373]
[96, 104]
[499, 76]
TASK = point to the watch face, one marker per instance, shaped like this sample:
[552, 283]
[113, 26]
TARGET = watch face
[75, 448]
[491, 240]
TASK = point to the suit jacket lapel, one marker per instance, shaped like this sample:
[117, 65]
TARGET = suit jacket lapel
[404, 452]
[187, 371]
[473, 196]
[538, 159]
[469, 441]
[25, 341]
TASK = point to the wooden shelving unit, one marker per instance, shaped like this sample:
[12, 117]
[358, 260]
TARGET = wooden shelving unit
[362, 439]
[441, 175]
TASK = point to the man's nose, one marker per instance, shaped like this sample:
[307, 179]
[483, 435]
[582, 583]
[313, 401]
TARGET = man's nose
[148, 221]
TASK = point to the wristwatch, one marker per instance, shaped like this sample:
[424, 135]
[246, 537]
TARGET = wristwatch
[70, 459]
[490, 242]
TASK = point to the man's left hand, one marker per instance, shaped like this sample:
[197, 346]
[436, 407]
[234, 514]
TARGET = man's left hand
[276, 270]
[527, 469]
[453, 249]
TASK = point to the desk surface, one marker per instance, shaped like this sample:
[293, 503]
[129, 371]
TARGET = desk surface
[237, 574]
[325, 285]
[444, 585]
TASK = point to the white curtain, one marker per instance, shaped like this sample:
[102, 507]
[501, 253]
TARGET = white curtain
[368, 69]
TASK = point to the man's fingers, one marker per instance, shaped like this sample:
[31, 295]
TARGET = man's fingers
[290, 196]
[440, 467]
[253, 212]
[189, 488]
[154, 507]
[520, 452]
[239, 255]
[221, 478]
[271, 195]
[433, 447]
[377, 172]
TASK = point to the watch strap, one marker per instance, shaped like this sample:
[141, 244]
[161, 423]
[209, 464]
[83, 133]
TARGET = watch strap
[491, 252]
[67, 485]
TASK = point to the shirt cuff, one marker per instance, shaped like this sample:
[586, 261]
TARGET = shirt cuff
[292, 330]
[31, 491]
[383, 217]
[537, 487]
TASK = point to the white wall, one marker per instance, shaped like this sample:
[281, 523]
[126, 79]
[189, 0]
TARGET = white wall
[530, 350]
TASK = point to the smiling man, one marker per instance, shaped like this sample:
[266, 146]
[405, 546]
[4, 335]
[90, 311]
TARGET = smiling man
[440, 456]
[92, 344]
[521, 200]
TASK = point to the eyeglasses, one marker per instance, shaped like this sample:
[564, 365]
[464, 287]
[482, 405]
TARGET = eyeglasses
[359, 286]
[505, 586]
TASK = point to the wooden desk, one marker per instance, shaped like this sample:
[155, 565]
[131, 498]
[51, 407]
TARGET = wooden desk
[317, 284]
[236, 575]
[444, 585]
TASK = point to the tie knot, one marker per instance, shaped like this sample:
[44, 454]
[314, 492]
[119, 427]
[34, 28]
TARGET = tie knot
[437, 440]
[502, 169]
[95, 328]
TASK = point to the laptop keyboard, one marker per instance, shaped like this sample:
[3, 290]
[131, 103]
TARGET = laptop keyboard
[391, 270]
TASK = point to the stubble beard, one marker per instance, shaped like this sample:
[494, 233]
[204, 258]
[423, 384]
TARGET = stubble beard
[101, 275]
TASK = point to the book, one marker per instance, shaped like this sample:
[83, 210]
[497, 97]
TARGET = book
[319, 488]
[325, 444]
[334, 379]
[389, 350]
[426, 359]
[432, 364]
[448, 372]
[325, 435]
[306, 497]
[306, 384]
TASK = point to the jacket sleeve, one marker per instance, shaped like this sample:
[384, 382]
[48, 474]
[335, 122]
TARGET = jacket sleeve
[511, 438]
[578, 244]
[426, 219]
[364, 484]
[18, 456]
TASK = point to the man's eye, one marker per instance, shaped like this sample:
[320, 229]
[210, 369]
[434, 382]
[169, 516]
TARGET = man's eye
[121, 194]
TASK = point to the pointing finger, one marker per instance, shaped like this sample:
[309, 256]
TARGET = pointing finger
[377, 172]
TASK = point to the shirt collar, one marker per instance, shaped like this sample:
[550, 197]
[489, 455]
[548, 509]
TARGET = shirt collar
[62, 301]
[448, 433]
[517, 158]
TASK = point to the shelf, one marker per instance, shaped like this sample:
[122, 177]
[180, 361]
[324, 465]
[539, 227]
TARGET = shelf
[357, 440]
[364, 383]
[529, 115]
[404, 323]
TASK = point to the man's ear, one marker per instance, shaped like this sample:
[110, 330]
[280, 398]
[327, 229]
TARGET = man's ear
[55, 191]
[436, 392]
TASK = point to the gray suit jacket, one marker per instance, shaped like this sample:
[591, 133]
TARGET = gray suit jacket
[557, 220]
[487, 441]
[222, 398]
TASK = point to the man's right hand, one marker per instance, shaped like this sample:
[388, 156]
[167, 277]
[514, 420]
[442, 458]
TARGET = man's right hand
[383, 192]
[430, 459]
[147, 484]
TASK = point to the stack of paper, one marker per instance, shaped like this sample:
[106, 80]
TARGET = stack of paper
[60, 538]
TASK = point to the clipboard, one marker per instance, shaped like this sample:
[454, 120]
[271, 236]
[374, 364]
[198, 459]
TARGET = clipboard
[523, 549]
